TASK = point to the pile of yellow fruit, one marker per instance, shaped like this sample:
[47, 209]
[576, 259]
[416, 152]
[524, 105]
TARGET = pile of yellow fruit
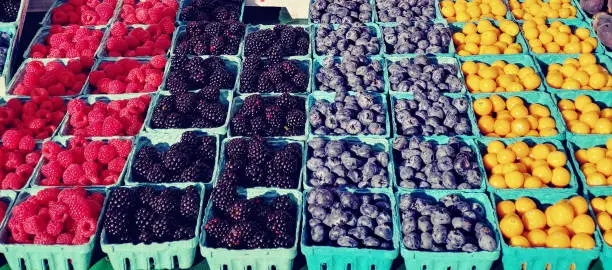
[557, 38]
[596, 164]
[485, 38]
[552, 9]
[583, 116]
[464, 11]
[519, 166]
[603, 212]
[582, 73]
[499, 77]
[512, 118]
[565, 224]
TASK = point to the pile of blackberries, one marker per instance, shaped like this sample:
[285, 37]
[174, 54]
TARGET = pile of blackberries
[360, 114]
[427, 164]
[284, 76]
[417, 37]
[210, 38]
[282, 115]
[422, 75]
[5, 43]
[192, 159]
[212, 10]
[150, 214]
[431, 114]
[281, 41]
[345, 219]
[355, 39]
[339, 163]
[197, 72]
[405, 11]
[354, 73]
[202, 109]
[9, 9]
[451, 224]
[341, 11]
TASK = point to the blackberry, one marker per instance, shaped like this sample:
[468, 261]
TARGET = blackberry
[146, 195]
[161, 228]
[217, 46]
[278, 180]
[287, 38]
[302, 46]
[194, 173]
[283, 203]
[166, 103]
[209, 94]
[258, 125]
[287, 101]
[190, 205]
[241, 210]
[121, 199]
[276, 77]
[290, 68]
[215, 113]
[201, 123]
[222, 79]
[145, 236]
[175, 161]
[208, 148]
[158, 118]
[287, 162]
[183, 233]
[240, 125]
[256, 150]
[252, 105]
[224, 195]
[283, 241]
[257, 42]
[257, 239]
[217, 229]
[237, 234]
[286, 87]
[280, 222]
[235, 165]
[143, 218]
[179, 62]
[275, 116]
[165, 203]
[199, 47]
[185, 103]
[249, 81]
[9, 9]
[174, 120]
[190, 138]
[264, 84]
[261, 209]
[251, 63]
[213, 28]
[116, 223]
[141, 168]
[229, 177]
[296, 119]
[300, 80]
[236, 149]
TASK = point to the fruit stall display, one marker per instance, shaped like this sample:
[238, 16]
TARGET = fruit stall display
[440, 134]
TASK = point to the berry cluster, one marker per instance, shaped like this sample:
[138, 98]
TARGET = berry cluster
[255, 162]
[18, 159]
[361, 114]
[9, 9]
[56, 217]
[405, 11]
[203, 109]
[115, 118]
[5, 43]
[79, 12]
[417, 37]
[150, 214]
[354, 73]
[110, 77]
[148, 12]
[272, 76]
[338, 163]
[345, 219]
[427, 164]
[431, 114]
[150, 40]
[54, 78]
[68, 42]
[255, 223]
[212, 10]
[192, 159]
[83, 163]
[38, 117]
[422, 75]
[210, 38]
[281, 41]
[340, 11]
[354, 39]
[271, 116]
[197, 73]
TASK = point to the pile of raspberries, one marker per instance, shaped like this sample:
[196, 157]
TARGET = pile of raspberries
[285, 76]
[148, 12]
[68, 42]
[211, 10]
[54, 78]
[197, 73]
[83, 162]
[203, 109]
[38, 117]
[18, 156]
[281, 41]
[149, 40]
[56, 217]
[210, 38]
[80, 12]
[127, 76]
[283, 115]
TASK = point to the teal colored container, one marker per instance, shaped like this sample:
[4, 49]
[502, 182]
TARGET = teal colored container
[303, 62]
[55, 257]
[162, 142]
[573, 24]
[521, 60]
[373, 17]
[439, 140]
[574, 3]
[7, 72]
[254, 259]
[544, 60]
[166, 255]
[43, 32]
[374, 29]
[275, 144]
[573, 186]
[185, 3]
[341, 258]
[181, 30]
[575, 143]
[225, 97]
[519, 38]
[317, 65]
[88, 88]
[601, 98]
[46, 21]
[237, 105]
[438, 59]
[429, 260]
[605, 257]
[232, 64]
[533, 97]
[388, 49]
[18, 78]
[377, 144]
[470, 114]
[103, 52]
[251, 28]
[539, 258]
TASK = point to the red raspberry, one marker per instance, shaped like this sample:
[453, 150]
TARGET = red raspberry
[158, 61]
[65, 158]
[116, 165]
[92, 149]
[71, 194]
[79, 240]
[47, 195]
[24, 171]
[64, 238]
[34, 225]
[10, 139]
[78, 120]
[76, 105]
[13, 181]
[73, 174]
[77, 141]
[118, 30]
[52, 170]
[112, 127]
[13, 160]
[111, 179]
[90, 168]
[106, 154]
[54, 228]
[58, 211]
[44, 239]
[32, 158]
[116, 87]
[50, 150]
[26, 144]
[86, 227]
[105, 11]
[123, 147]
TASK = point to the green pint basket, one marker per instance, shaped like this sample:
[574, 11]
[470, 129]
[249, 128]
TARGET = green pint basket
[576, 143]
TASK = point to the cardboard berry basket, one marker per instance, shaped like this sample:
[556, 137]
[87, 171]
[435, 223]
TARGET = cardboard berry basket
[103, 52]
[544, 60]
[519, 38]
[479, 260]
[232, 64]
[374, 29]
[304, 62]
[18, 78]
[601, 98]
[4, 100]
[6, 72]
[250, 28]
[181, 30]
[438, 59]
[439, 140]
[575, 143]
[573, 24]
[225, 97]
[58, 257]
[537, 258]
[43, 32]
[185, 3]
[276, 144]
[255, 259]
[387, 49]
[605, 257]
[163, 141]
[317, 65]
[165, 255]
[46, 21]
[339, 258]
[373, 18]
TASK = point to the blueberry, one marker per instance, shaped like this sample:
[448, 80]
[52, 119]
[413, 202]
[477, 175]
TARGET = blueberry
[409, 224]
[317, 212]
[314, 163]
[323, 197]
[349, 200]
[317, 143]
[440, 216]
[313, 222]
[369, 210]
[365, 221]
[347, 241]
[384, 231]
[439, 234]
[462, 223]
[317, 233]
[336, 232]
[383, 218]
[371, 241]
[469, 247]
[487, 242]
[426, 241]
[359, 232]
[424, 223]
[412, 241]
[456, 238]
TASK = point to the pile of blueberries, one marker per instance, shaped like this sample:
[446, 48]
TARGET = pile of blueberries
[450, 224]
[339, 163]
[341, 11]
[354, 73]
[422, 74]
[404, 11]
[432, 114]
[360, 114]
[345, 219]
[427, 164]
[417, 37]
[354, 39]
[5, 41]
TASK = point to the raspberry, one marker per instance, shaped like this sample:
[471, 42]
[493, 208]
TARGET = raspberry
[118, 30]
[65, 158]
[34, 225]
[115, 87]
[90, 168]
[64, 239]
[158, 61]
[72, 194]
[73, 174]
[79, 208]
[24, 171]
[98, 197]
[24, 210]
[13, 181]
[32, 158]
[79, 240]
[123, 147]
[116, 165]
[105, 11]
[54, 228]
[58, 211]
[112, 127]
[10, 139]
[106, 154]
[44, 239]
[50, 150]
[47, 195]
[92, 149]
[76, 105]
[86, 227]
